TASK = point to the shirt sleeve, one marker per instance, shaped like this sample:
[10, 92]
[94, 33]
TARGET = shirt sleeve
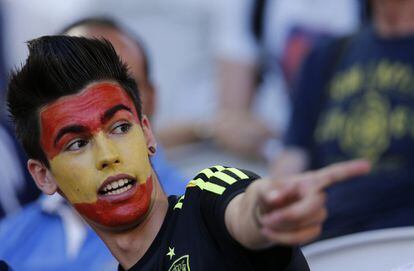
[229, 182]
[309, 94]
[232, 37]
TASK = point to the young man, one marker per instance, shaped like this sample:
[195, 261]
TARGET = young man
[50, 222]
[78, 115]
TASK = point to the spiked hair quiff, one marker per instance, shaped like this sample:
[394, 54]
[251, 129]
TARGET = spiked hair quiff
[58, 66]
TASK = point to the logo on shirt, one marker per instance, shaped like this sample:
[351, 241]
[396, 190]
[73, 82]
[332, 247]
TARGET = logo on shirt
[181, 264]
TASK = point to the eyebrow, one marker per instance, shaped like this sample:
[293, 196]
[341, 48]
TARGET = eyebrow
[69, 129]
[112, 111]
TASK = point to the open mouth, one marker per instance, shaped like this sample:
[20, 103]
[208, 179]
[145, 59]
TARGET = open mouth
[117, 186]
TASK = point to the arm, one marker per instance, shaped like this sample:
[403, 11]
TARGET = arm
[237, 86]
[292, 160]
[285, 213]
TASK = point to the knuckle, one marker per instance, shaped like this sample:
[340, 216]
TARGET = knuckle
[290, 217]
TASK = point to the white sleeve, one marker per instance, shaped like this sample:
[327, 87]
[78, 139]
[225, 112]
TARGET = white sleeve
[407, 267]
[232, 37]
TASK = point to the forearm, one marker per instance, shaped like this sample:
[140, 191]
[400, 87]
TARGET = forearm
[236, 85]
[183, 133]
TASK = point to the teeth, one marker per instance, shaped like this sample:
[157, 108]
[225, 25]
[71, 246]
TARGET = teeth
[117, 187]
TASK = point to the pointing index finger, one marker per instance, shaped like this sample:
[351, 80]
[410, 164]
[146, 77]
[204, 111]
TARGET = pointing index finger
[339, 172]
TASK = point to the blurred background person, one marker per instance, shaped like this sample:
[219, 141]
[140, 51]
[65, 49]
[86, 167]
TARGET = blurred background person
[354, 99]
[51, 229]
[282, 32]
[17, 188]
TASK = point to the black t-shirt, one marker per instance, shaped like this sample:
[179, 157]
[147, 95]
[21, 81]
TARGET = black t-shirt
[194, 236]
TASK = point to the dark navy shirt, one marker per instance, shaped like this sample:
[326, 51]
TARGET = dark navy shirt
[355, 99]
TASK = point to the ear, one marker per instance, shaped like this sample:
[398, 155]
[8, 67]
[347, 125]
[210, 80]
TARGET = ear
[150, 98]
[42, 176]
[149, 135]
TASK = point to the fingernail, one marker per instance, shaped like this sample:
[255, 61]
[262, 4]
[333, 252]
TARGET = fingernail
[272, 195]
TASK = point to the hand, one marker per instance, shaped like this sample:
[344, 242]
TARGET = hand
[292, 212]
[241, 133]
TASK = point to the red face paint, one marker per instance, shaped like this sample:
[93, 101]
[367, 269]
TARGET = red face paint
[83, 109]
[119, 214]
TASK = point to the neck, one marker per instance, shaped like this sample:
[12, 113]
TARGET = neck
[129, 246]
[393, 18]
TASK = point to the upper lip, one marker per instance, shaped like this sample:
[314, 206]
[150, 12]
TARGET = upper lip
[114, 179]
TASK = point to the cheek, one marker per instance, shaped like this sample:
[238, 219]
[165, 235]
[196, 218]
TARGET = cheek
[75, 178]
[135, 153]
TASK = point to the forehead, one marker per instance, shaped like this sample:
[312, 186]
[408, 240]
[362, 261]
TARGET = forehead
[94, 96]
[83, 108]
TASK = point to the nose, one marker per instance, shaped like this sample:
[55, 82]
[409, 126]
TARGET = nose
[106, 153]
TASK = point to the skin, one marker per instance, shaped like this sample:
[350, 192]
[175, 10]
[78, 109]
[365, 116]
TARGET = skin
[91, 137]
[393, 18]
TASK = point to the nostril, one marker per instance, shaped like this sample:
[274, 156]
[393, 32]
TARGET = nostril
[108, 162]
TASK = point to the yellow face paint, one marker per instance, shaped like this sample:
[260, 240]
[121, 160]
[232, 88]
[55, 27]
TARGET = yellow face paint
[98, 154]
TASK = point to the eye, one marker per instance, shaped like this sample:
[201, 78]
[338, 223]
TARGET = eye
[121, 128]
[76, 144]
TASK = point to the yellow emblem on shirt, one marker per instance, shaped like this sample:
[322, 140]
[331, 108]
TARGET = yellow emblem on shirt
[181, 264]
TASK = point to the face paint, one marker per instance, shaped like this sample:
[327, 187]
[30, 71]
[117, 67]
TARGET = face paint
[98, 154]
[111, 215]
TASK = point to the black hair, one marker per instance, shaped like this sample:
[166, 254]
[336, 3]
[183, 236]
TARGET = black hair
[58, 66]
[107, 22]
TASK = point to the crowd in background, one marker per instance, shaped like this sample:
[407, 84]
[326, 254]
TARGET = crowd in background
[288, 85]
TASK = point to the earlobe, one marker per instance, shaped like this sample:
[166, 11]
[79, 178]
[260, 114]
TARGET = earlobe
[42, 176]
[149, 135]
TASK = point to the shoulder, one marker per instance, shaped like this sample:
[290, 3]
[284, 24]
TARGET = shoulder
[171, 179]
[323, 51]
[215, 186]
[21, 218]
[218, 178]
[16, 227]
